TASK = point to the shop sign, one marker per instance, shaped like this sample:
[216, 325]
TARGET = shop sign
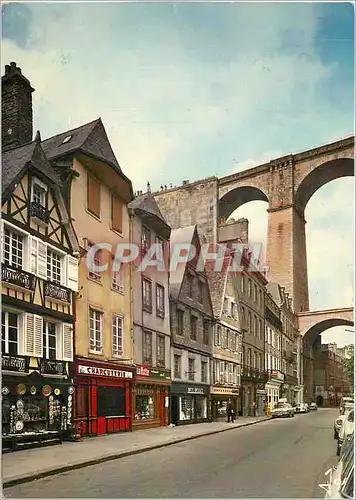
[48, 367]
[195, 390]
[144, 371]
[15, 363]
[277, 375]
[261, 391]
[103, 372]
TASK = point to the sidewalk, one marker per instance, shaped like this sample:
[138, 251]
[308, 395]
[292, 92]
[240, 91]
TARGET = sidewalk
[27, 465]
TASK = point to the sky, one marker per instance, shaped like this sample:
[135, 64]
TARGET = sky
[189, 90]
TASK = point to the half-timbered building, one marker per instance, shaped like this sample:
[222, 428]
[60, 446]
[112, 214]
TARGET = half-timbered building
[39, 285]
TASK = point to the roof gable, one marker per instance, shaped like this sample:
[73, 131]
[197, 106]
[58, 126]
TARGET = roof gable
[90, 139]
[146, 206]
[181, 236]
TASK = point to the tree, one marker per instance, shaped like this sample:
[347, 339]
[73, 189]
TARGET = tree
[349, 365]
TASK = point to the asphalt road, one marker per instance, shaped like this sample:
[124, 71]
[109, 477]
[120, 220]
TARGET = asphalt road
[282, 458]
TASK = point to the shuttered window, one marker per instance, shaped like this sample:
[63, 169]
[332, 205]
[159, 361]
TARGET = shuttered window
[33, 335]
[93, 195]
[9, 333]
[116, 213]
[67, 339]
[49, 340]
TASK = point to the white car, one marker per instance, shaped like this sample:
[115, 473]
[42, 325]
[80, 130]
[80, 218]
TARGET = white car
[347, 401]
[282, 410]
[340, 419]
[347, 428]
[301, 408]
[341, 476]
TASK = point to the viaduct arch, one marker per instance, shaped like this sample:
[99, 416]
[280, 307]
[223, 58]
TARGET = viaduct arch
[287, 184]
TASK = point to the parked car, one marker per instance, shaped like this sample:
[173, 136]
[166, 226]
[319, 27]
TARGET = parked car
[346, 429]
[313, 406]
[282, 410]
[341, 476]
[339, 421]
[301, 408]
[346, 401]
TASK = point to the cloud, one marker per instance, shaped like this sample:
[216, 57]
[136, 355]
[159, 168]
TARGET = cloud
[189, 90]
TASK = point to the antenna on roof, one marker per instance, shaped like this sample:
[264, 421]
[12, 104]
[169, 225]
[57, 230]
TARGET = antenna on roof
[148, 187]
[38, 136]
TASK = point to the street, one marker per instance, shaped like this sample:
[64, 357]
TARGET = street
[281, 458]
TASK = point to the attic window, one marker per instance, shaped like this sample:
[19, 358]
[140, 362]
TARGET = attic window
[66, 139]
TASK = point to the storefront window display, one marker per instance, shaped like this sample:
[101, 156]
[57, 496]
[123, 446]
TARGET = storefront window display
[221, 407]
[186, 410]
[145, 407]
[201, 407]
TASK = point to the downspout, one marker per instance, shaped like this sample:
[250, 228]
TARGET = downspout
[132, 337]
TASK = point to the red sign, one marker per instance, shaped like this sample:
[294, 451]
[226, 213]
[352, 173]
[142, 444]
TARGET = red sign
[143, 371]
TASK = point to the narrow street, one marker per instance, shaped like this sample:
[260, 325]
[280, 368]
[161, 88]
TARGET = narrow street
[283, 458]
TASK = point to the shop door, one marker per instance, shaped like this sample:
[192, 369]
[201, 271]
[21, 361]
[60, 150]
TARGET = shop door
[174, 412]
[111, 405]
[161, 408]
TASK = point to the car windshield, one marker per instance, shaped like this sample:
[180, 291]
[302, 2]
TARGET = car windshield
[347, 409]
[350, 417]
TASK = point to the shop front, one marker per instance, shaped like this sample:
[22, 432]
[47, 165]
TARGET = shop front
[189, 403]
[103, 397]
[273, 387]
[37, 401]
[150, 400]
[220, 397]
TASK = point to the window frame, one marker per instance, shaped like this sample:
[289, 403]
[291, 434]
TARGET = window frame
[206, 332]
[119, 318]
[146, 237]
[147, 334]
[204, 371]
[6, 340]
[160, 350]
[147, 307]
[117, 198]
[180, 322]
[94, 275]
[46, 349]
[191, 372]
[160, 311]
[193, 331]
[177, 373]
[93, 214]
[100, 314]
[21, 247]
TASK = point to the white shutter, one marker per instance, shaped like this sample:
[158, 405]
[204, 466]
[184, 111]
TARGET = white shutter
[64, 270]
[41, 259]
[2, 241]
[72, 273]
[59, 341]
[38, 336]
[67, 338]
[32, 255]
[29, 334]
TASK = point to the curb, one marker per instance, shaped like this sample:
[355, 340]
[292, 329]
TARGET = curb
[107, 458]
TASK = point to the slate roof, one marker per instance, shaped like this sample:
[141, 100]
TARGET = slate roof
[145, 206]
[90, 138]
[217, 280]
[16, 161]
[178, 237]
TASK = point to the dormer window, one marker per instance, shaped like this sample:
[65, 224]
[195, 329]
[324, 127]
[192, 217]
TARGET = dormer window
[38, 201]
[66, 139]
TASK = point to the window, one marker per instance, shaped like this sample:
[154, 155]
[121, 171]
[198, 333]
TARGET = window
[243, 312]
[204, 371]
[13, 248]
[54, 263]
[224, 343]
[191, 369]
[249, 357]
[261, 362]
[145, 240]
[221, 372]
[249, 321]
[116, 213]
[95, 275]
[160, 301]
[242, 284]
[255, 293]
[190, 279]
[255, 327]
[160, 350]
[111, 401]
[249, 288]
[95, 330]
[231, 373]
[147, 347]
[117, 335]
[254, 360]
[229, 339]
[38, 195]
[180, 322]
[49, 340]
[233, 341]
[177, 366]
[206, 332]
[147, 295]
[117, 281]
[9, 333]
[260, 293]
[145, 407]
[218, 335]
[193, 327]
[201, 292]
[93, 195]
[260, 330]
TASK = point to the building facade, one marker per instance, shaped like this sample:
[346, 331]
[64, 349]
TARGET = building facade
[152, 355]
[39, 272]
[97, 194]
[227, 345]
[191, 334]
[273, 351]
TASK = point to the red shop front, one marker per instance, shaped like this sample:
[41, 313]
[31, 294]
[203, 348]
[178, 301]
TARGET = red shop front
[102, 397]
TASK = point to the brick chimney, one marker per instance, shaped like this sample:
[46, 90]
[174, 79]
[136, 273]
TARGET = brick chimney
[16, 108]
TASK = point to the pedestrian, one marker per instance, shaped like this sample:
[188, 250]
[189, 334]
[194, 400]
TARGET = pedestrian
[230, 412]
[254, 406]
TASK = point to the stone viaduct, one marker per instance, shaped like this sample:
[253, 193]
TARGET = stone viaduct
[286, 184]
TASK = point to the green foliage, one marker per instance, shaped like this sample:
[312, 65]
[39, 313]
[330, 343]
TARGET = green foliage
[349, 365]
